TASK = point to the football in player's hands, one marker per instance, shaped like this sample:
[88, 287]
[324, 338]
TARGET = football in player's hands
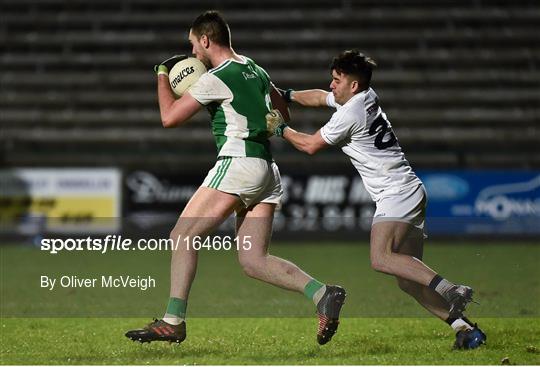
[184, 73]
[279, 103]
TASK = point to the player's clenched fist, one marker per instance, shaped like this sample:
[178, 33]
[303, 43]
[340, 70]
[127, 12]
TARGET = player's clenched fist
[275, 124]
[165, 66]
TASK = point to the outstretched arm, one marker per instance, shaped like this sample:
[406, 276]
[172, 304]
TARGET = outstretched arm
[309, 144]
[309, 98]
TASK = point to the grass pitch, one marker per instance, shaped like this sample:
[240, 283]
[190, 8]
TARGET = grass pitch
[236, 320]
[279, 341]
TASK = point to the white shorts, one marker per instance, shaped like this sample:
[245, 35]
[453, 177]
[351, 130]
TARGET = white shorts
[254, 180]
[408, 206]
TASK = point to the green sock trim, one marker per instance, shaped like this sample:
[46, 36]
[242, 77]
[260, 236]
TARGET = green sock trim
[177, 307]
[312, 287]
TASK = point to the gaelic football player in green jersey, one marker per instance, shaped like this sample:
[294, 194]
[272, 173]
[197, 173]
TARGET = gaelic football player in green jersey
[245, 180]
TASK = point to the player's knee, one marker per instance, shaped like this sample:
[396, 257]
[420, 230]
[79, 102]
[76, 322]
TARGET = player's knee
[379, 263]
[250, 271]
[250, 267]
[378, 266]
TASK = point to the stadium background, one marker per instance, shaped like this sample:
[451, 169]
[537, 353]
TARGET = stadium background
[459, 81]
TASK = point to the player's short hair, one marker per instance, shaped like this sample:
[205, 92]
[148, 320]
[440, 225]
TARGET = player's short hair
[212, 24]
[355, 63]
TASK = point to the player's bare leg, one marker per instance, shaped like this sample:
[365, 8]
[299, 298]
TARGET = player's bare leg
[389, 235]
[406, 245]
[206, 210]
[255, 224]
[259, 264]
[468, 335]
[385, 236]
[413, 246]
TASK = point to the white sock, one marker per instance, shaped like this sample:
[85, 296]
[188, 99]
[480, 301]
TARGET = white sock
[318, 295]
[443, 287]
[172, 319]
[460, 324]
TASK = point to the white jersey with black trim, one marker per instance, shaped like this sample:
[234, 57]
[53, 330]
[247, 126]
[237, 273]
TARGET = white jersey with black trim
[362, 131]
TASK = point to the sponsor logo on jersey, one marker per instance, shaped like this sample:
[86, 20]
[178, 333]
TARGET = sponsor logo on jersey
[248, 75]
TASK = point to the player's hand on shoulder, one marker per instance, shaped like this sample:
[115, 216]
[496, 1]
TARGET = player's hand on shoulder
[275, 123]
[166, 65]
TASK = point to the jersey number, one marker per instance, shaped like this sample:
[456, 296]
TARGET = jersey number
[383, 123]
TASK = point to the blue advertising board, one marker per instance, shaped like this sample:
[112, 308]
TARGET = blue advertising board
[483, 202]
[487, 203]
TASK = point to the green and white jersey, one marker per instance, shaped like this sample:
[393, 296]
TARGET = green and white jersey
[238, 98]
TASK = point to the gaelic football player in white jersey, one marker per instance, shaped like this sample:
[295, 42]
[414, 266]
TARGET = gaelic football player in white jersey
[245, 180]
[362, 131]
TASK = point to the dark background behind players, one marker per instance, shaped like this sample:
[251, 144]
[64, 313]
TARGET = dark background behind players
[459, 79]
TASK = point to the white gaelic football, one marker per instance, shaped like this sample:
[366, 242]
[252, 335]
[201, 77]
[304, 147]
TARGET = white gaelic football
[184, 74]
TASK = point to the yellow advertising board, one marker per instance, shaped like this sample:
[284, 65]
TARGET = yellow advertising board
[66, 200]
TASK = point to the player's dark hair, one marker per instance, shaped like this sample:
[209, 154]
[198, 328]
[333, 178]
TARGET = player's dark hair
[212, 24]
[355, 63]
